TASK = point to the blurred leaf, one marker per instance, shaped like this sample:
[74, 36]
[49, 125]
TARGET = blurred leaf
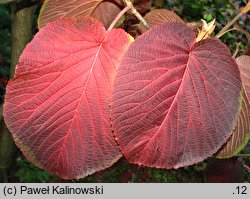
[6, 1]
[208, 16]
[224, 170]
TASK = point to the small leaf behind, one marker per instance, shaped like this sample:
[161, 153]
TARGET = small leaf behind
[159, 16]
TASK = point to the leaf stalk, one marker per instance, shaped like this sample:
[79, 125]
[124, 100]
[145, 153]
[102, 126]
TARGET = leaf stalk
[129, 6]
[124, 10]
[137, 14]
[242, 12]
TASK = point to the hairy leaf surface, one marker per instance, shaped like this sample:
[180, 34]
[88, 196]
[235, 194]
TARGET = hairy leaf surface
[175, 102]
[57, 104]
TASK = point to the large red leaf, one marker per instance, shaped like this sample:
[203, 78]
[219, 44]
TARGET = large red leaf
[175, 102]
[57, 105]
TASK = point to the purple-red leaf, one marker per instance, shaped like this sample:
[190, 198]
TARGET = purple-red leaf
[175, 102]
[57, 105]
[225, 171]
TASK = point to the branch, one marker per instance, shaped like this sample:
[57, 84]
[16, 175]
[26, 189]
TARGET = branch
[129, 6]
[136, 13]
[236, 50]
[6, 1]
[21, 30]
[242, 12]
[247, 34]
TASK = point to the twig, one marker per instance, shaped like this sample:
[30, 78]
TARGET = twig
[224, 30]
[237, 27]
[242, 12]
[235, 6]
[246, 167]
[136, 13]
[236, 50]
[129, 6]
[124, 10]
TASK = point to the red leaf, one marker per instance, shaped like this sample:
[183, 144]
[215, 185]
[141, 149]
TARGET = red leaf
[57, 105]
[175, 102]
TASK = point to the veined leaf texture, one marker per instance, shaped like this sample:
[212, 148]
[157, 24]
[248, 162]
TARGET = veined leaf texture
[175, 102]
[57, 104]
